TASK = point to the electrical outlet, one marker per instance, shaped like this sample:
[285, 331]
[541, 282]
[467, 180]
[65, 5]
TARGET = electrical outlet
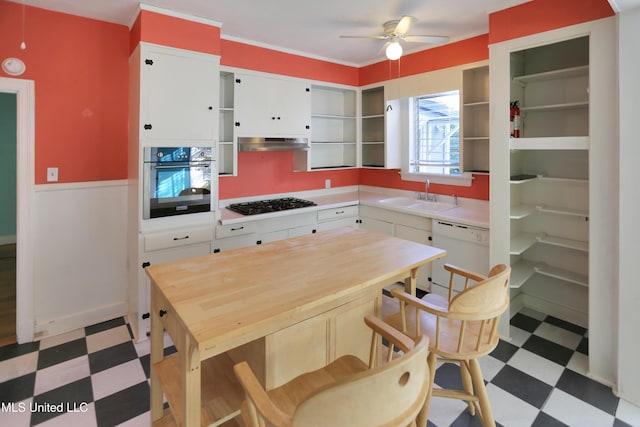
[327, 183]
[52, 174]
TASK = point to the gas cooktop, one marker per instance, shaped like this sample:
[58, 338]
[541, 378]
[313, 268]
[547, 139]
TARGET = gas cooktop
[271, 205]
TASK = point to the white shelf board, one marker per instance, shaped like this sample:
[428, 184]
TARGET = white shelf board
[521, 242]
[559, 273]
[582, 70]
[521, 211]
[555, 179]
[521, 271]
[476, 138]
[563, 211]
[562, 242]
[476, 104]
[579, 105]
[550, 143]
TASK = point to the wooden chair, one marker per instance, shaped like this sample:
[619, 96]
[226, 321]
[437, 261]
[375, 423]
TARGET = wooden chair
[348, 391]
[460, 329]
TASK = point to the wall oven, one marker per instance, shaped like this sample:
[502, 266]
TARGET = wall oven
[176, 181]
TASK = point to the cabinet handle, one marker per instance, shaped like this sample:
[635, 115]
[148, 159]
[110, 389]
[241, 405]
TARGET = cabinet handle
[238, 81]
[239, 228]
[148, 61]
[339, 212]
[210, 107]
[162, 313]
[181, 238]
[147, 126]
[389, 107]
[237, 123]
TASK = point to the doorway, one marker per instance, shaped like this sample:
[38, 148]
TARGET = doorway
[24, 93]
[8, 208]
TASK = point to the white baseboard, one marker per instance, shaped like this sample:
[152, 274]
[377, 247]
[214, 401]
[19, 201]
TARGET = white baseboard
[60, 325]
[556, 310]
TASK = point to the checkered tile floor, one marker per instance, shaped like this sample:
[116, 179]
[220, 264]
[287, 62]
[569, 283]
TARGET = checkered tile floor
[100, 376]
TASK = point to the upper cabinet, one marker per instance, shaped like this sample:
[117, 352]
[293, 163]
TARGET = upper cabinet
[227, 145]
[475, 120]
[268, 106]
[333, 128]
[178, 95]
[380, 129]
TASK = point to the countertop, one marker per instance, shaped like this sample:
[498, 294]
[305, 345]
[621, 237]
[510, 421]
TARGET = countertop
[468, 213]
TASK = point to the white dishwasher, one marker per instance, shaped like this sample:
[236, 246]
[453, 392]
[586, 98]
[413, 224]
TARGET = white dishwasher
[466, 246]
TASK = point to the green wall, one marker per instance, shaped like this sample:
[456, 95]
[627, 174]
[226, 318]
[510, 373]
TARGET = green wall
[8, 165]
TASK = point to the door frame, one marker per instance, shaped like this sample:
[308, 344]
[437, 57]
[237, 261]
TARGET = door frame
[25, 184]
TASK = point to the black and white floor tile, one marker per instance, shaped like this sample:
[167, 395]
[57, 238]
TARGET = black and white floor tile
[97, 376]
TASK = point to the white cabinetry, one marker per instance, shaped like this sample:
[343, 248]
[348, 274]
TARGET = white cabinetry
[173, 101]
[380, 129]
[227, 143]
[552, 192]
[405, 226]
[268, 106]
[178, 95]
[344, 216]
[234, 236]
[333, 129]
[475, 119]
[287, 226]
[156, 248]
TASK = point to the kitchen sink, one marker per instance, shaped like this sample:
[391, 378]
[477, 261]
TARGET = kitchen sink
[423, 205]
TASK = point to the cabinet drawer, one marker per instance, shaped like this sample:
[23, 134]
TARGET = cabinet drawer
[337, 213]
[175, 238]
[231, 230]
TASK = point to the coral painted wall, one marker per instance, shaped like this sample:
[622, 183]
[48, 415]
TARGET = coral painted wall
[80, 69]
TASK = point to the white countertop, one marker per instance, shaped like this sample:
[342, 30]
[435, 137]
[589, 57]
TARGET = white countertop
[469, 212]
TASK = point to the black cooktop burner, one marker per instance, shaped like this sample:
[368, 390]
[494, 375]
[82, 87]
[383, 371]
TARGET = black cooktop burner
[272, 205]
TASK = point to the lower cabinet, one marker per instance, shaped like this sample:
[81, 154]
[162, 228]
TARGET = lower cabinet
[344, 216]
[405, 226]
[161, 247]
[315, 342]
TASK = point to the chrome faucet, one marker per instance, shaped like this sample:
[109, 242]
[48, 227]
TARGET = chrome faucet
[428, 197]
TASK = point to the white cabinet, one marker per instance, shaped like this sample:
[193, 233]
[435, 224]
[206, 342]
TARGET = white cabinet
[380, 129]
[284, 227]
[405, 226]
[156, 248]
[234, 236]
[271, 106]
[333, 129]
[178, 95]
[344, 216]
[475, 120]
[227, 143]
[552, 194]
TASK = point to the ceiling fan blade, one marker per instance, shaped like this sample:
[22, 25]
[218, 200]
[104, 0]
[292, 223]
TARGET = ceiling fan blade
[427, 39]
[403, 25]
[364, 37]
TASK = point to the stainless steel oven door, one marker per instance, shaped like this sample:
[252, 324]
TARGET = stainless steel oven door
[176, 183]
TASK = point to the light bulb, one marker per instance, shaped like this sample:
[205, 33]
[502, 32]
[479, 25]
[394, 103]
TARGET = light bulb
[394, 51]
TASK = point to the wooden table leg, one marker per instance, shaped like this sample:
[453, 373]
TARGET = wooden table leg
[191, 398]
[410, 282]
[157, 354]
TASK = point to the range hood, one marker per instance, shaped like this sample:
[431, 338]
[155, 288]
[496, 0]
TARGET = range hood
[272, 144]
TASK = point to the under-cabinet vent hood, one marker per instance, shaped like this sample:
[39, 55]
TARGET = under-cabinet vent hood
[272, 144]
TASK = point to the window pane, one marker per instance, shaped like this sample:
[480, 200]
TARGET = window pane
[436, 148]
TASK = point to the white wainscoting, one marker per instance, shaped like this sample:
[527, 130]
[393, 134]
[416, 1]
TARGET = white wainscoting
[80, 255]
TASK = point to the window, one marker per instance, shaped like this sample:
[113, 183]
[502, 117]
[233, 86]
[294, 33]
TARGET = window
[435, 146]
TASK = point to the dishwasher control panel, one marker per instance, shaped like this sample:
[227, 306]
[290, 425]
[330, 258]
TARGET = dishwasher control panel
[461, 232]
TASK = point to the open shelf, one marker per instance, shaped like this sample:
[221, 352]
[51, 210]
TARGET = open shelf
[563, 243]
[550, 143]
[521, 271]
[521, 242]
[221, 399]
[521, 211]
[563, 73]
[563, 211]
[562, 274]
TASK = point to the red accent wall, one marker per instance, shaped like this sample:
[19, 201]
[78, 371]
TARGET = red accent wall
[80, 69]
[235, 54]
[538, 16]
[272, 173]
[449, 55]
[174, 32]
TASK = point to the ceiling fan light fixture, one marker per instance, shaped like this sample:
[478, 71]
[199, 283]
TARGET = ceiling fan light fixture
[394, 50]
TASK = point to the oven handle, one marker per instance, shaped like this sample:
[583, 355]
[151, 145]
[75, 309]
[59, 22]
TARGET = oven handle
[191, 165]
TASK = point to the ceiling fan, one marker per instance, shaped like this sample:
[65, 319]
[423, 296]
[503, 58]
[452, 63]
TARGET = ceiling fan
[395, 31]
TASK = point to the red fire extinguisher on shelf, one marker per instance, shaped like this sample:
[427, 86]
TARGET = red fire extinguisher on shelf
[511, 120]
[514, 113]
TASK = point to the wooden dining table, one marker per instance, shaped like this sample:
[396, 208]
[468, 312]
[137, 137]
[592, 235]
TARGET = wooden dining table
[285, 307]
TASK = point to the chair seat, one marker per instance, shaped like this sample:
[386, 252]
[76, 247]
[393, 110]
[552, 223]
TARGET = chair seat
[449, 334]
[289, 396]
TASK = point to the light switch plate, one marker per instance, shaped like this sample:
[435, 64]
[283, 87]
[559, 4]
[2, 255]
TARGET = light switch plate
[52, 174]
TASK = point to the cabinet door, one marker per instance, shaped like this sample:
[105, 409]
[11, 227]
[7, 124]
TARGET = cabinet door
[179, 95]
[419, 236]
[267, 106]
[377, 226]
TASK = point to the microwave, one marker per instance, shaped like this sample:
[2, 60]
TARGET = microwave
[177, 181]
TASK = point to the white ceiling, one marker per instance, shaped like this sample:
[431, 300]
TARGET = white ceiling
[310, 27]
